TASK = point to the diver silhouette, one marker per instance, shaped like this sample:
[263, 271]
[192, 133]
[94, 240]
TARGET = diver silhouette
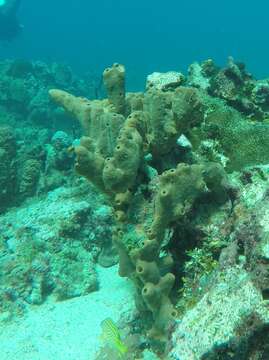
[9, 24]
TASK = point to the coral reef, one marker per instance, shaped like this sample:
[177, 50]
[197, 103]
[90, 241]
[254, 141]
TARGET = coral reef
[234, 84]
[112, 156]
[231, 301]
[33, 154]
[24, 88]
[31, 163]
[170, 161]
[180, 175]
[217, 324]
[50, 247]
[165, 81]
[41, 256]
[7, 166]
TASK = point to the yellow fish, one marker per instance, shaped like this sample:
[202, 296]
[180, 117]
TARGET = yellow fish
[111, 336]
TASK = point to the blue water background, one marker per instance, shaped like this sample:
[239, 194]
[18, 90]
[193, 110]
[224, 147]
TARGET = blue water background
[145, 35]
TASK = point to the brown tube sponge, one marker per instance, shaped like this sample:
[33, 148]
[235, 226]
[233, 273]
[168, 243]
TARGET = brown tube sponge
[114, 80]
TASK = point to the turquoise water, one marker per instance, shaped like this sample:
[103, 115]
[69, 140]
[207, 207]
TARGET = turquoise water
[144, 35]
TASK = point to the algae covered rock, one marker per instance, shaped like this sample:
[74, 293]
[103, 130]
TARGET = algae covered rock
[230, 314]
[199, 74]
[27, 110]
[243, 142]
[220, 322]
[164, 81]
[8, 149]
[24, 90]
[50, 247]
[29, 178]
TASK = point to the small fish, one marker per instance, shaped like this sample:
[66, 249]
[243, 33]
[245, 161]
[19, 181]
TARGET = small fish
[111, 336]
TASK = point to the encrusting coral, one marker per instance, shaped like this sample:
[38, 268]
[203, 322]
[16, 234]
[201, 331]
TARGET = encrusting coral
[120, 133]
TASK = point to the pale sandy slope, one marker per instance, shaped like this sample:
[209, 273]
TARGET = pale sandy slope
[68, 330]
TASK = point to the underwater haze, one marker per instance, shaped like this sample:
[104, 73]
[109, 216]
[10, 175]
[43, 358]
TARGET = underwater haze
[146, 36]
[134, 180]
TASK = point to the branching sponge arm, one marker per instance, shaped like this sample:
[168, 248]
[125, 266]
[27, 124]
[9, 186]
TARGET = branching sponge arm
[114, 80]
[78, 107]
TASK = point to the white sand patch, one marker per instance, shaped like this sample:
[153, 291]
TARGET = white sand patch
[68, 330]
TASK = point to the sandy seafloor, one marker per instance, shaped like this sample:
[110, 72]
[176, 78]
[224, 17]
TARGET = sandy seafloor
[68, 330]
